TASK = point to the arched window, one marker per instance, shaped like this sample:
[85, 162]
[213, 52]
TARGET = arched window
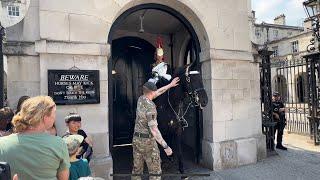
[301, 85]
[281, 86]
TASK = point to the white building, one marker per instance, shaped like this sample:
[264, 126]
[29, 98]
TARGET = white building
[265, 32]
[89, 35]
[12, 11]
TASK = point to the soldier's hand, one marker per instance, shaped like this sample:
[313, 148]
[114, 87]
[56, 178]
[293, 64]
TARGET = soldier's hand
[175, 82]
[168, 151]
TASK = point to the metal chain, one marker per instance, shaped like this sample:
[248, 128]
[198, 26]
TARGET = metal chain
[178, 114]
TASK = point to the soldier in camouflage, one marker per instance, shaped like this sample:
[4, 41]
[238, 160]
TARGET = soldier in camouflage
[146, 132]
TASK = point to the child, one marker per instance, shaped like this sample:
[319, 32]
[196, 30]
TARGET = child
[79, 167]
[73, 121]
[6, 115]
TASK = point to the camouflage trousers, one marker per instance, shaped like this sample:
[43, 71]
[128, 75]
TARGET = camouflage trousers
[146, 150]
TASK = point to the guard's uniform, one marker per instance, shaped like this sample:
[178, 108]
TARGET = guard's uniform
[145, 148]
[160, 71]
[281, 122]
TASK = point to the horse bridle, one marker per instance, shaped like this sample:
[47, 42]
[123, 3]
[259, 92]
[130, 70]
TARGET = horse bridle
[193, 93]
[193, 97]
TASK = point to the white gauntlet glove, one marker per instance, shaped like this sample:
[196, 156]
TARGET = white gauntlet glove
[158, 71]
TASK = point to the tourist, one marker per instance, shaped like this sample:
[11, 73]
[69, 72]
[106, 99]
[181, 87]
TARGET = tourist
[31, 152]
[73, 121]
[20, 102]
[79, 167]
[6, 115]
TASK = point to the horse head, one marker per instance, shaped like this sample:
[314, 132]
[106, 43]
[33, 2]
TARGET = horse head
[191, 81]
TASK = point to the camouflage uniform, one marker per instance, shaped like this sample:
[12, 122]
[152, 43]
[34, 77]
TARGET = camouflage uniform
[145, 149]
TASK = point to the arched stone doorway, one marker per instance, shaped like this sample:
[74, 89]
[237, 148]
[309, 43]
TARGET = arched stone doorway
[180, 41]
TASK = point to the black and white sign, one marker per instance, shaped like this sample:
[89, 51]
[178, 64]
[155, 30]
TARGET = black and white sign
[74, 86]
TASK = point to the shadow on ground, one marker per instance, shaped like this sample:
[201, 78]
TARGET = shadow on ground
[122, 164]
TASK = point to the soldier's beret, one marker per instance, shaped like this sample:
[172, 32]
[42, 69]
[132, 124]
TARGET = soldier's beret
[151, 86]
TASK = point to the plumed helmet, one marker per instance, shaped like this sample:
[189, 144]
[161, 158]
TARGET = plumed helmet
[159, 46]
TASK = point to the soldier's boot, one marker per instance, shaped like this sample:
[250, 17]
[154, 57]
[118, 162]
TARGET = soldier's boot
[280, 136]
[280, 146]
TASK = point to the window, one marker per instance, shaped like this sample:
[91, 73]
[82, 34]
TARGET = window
[275, 51]
[258, 33]
[13, 11]
[301, 85]
[294, 46]
[275, 33]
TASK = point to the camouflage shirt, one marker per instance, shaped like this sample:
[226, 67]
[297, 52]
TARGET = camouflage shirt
[146, 115]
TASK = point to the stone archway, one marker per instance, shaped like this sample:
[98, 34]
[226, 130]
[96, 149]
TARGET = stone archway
[198, 34]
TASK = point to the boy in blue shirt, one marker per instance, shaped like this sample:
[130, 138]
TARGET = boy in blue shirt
[79, 167]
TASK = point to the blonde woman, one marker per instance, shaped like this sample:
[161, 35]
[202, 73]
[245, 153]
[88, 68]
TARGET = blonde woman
[31, 152]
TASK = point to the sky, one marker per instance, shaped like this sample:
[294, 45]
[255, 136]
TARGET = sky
[267, 10]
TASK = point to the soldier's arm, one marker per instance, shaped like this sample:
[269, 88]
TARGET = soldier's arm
[157, 135]
[163, 89]
[282, 108]
[153, 126]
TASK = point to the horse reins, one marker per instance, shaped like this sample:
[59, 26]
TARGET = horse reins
[192, 93]
[179, 118]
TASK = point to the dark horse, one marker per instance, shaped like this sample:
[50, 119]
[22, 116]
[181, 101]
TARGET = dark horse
[171, 111]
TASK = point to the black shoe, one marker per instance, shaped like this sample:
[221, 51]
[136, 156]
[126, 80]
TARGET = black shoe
[184, 178]
[281, 147]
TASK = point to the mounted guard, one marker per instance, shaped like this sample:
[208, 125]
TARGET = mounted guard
[160, 68]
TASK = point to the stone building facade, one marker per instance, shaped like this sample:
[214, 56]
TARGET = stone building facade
[13, 11]
[291, 49]
[82, 33]
[266, 32]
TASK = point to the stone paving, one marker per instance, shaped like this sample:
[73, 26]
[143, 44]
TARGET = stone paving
[300, 162]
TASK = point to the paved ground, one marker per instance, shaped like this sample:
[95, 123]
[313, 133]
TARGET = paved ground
[300, 162]
[302, 142]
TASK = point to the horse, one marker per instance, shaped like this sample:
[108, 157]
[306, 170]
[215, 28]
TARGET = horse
[171, 112]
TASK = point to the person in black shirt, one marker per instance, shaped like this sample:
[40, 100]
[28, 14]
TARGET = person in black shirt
[279, 117]
[73, 121]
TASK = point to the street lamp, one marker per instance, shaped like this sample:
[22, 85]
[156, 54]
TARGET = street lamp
[312, 10]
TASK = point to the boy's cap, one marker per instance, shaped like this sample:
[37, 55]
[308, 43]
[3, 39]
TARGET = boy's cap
[151, 86]
[72, 117]
[73, 142]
